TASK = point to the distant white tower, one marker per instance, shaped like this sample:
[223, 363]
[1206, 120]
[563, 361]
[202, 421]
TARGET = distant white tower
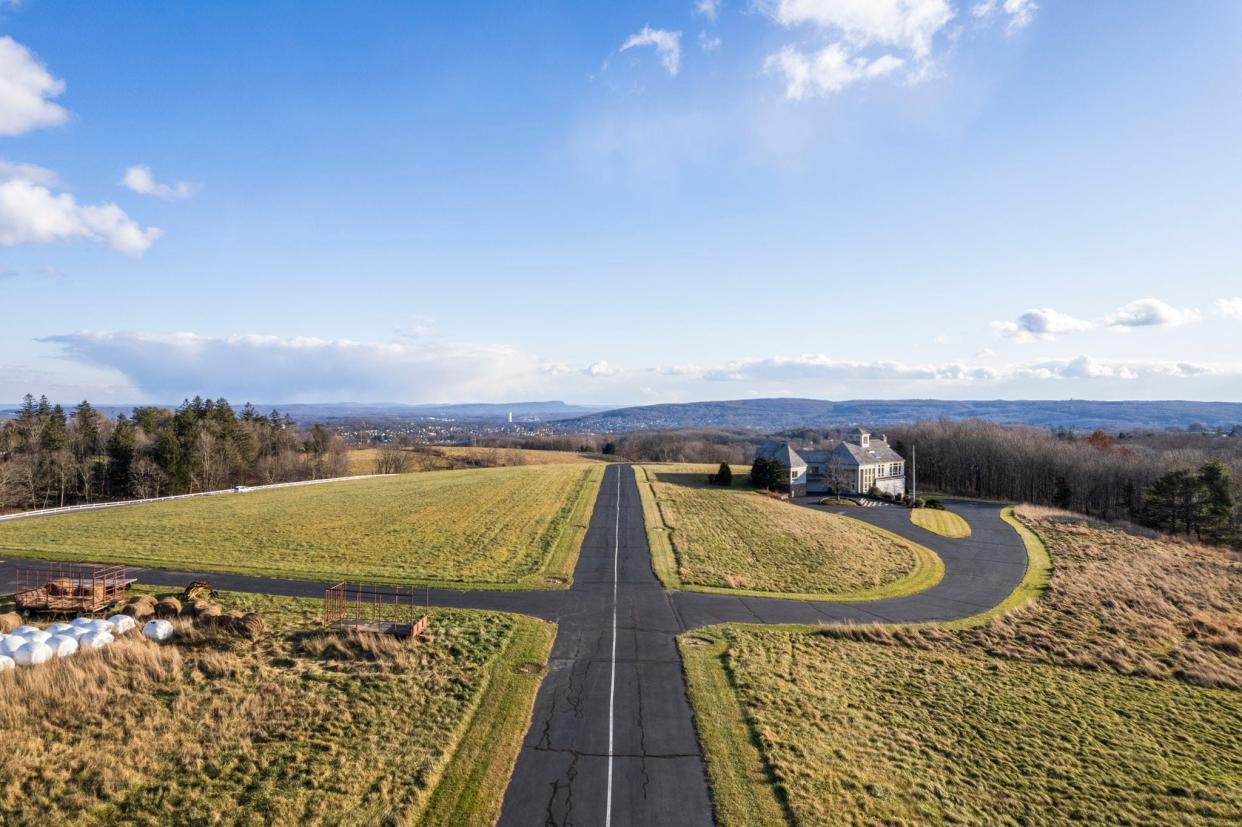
[510, 417]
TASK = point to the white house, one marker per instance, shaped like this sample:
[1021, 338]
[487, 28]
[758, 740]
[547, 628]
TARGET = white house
[855, 465]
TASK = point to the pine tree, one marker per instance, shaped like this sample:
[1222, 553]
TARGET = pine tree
[724, 476]
[1218, 505]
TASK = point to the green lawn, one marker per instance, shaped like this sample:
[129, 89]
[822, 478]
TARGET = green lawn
[864, 733]
[492, 527]
[1114, 697]
[301, 727]
[738, 540]
[944, 523]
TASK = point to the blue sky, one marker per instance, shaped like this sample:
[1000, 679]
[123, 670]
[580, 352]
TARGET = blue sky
[629, 203]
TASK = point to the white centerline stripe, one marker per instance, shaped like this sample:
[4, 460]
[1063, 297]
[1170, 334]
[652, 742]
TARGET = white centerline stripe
[612, 683]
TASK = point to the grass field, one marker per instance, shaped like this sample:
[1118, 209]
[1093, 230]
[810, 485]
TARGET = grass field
[300, 727]
[735, 539]
[479, 528]
[944, 523]
[1116, 698]
[449, 457]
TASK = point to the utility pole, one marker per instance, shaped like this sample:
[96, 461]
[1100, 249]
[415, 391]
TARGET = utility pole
[914, 474]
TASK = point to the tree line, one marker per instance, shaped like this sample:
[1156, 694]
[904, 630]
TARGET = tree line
[53, 457]
[1159, 482]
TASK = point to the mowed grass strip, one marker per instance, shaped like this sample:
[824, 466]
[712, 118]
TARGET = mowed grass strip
[862, 733]
[736, 540]
[944, 523]
[302, 726]
[479, 528]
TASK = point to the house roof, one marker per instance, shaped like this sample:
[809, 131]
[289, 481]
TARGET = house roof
[782, 453]
[872, 453]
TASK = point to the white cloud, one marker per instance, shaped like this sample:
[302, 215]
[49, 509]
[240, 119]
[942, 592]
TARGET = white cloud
[829, 70]
[32, 214]
[1043, 323]
[910, 25]
[1231, 308]
[139, 179]
[708, 43]
[1018, 13]
[10, 171]
[1151, 313]
[1087, 367]
[26, 87]
[667, 45]
[707, 8]
[601, 368]
[870, 39]
[275, 369]
[822, 367]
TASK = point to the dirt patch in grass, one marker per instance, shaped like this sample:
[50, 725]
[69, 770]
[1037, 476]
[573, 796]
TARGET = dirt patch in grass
[482, 528]
[736, 539]
[300, 727]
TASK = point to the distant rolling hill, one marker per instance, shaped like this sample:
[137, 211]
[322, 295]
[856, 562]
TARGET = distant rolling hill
[780, 414]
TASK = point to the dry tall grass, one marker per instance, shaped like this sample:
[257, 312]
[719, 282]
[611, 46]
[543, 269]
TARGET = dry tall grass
[299, 727]
[1135, 603]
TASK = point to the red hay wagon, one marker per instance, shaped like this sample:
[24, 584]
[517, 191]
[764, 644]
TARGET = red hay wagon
[374, 607]
[69, 588]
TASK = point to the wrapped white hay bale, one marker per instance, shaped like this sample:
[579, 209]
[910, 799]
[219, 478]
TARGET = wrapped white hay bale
[82, 621]
[23, 631]
[159, 630]
[122, 624]
[95, 640]
[59, 628]
[11, 644]
[38, 636]
[63, 645]
[33, 653]
[102, 626]
[6, 663]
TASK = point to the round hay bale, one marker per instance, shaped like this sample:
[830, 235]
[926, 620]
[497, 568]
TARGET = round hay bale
[122, 624]
[95, 640]
[210, 613]
[168, 607]
[195, 608]
[59, 628]
[11, 644]
[60, 587]
[250, 626]
[24, 630]
[94, 593]
[158, 630]
[6, 663]
[139, 611]
[144, 599]
[33, 653]
[63, 646]
[82, 621]
[9, 621]
[38, 636]
[229, 620]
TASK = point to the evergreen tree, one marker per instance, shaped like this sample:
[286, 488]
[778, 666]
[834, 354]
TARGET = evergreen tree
[1218, 506]
[724, 476]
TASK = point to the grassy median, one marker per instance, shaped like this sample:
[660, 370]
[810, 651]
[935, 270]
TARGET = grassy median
[944, 523]
[739, 541]
[490, 527]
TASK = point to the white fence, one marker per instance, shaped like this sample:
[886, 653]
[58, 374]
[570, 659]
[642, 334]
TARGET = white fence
[70, 509]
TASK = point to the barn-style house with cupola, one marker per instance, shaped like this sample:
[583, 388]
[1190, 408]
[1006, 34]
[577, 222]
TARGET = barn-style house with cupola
[856, 465]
